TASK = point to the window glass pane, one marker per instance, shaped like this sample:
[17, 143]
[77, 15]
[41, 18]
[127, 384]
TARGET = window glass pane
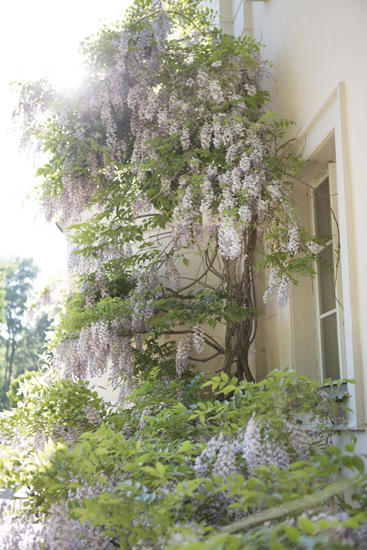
[326, 280]
[322, 209]
[330, 352]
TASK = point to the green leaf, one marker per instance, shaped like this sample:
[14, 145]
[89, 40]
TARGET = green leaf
[292, 532]
[54, 487]
[359, 464]
[186, 446]
[160, 468]
[307, 525]
[101, 451]
[224, 377]
[333, 450]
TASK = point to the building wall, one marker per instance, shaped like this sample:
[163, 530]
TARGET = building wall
[319, 51]
[316, 45]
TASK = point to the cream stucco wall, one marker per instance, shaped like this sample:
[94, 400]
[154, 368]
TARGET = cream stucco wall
[319, 49]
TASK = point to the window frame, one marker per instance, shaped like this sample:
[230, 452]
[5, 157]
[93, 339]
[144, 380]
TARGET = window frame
[335, 241]
[325, 140]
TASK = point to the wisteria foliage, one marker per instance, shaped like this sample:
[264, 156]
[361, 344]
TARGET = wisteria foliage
[171, 144]
[181, 466]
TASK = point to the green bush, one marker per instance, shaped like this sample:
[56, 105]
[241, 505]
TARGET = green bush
[215, 465]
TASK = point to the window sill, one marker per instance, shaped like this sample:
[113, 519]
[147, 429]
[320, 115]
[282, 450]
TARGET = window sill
[340, 393]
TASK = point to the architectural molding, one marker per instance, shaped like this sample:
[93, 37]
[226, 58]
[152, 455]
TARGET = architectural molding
[325, 139]
[320, 118]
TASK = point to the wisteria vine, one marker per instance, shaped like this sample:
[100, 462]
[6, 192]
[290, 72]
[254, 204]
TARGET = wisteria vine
[171, 144]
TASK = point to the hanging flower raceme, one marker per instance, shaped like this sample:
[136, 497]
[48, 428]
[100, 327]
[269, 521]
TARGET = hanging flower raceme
[97, 345]
[229, 239]
[184, 348]
[198, 338]
[258, 445]
[172, 277]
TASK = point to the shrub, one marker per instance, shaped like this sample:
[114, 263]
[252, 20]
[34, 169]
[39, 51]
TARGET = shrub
[232, 467]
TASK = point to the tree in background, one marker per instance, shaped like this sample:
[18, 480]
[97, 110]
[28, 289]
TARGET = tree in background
[19, 346]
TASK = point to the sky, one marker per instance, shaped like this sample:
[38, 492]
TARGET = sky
[38, 36]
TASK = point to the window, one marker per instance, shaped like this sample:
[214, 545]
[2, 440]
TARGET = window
[324, 141]
[328, 293]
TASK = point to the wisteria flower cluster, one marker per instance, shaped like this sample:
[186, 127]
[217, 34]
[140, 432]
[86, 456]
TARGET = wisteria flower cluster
[89, 354]
[107, 344]
[257, 446]
[49, 300]
[191, 341]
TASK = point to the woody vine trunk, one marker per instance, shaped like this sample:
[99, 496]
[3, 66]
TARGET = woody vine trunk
[241, 294]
